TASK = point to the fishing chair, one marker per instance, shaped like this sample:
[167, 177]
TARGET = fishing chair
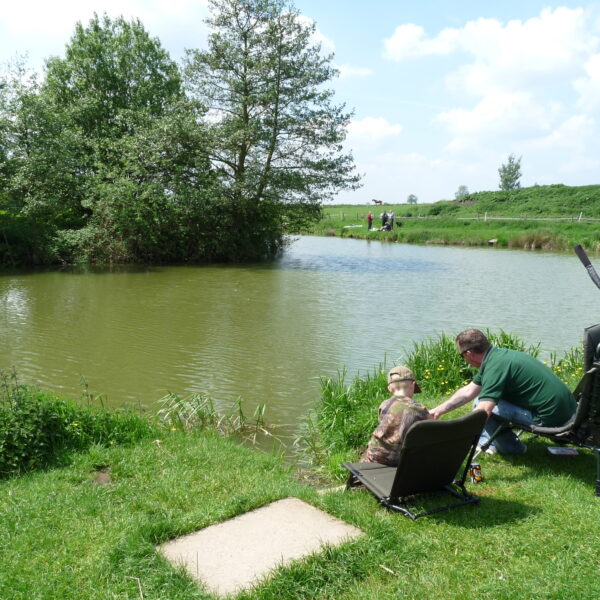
[583, 428]
[431, 456]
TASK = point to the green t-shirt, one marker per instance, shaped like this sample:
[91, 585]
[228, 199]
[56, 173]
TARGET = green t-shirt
[524, 381]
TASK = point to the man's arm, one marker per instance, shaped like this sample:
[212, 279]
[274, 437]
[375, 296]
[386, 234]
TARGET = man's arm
[459, 398]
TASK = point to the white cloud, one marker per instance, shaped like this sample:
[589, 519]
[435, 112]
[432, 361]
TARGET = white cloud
[371, 131]
[589, 86]
[392, 176]
[505, 56]
[573, 134]
[29, 16]
[348, 71]
[578, 165]
[318, 36]
[409, 41]
[522, 74]
[42, 29]
[497, 116]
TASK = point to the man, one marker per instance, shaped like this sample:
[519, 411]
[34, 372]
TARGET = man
[396, 416]
[512, 385]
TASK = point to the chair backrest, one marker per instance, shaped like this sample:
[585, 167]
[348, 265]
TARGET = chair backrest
[591, 346]
[591, 425]
[433, 452]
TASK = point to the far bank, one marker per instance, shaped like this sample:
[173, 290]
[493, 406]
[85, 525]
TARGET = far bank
[541, 217]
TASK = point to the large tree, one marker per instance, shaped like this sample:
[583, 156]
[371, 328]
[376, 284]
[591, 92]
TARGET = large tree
[110, 154]
[275, 134]
[22, 239]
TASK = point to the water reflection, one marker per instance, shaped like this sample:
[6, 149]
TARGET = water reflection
[267, 333]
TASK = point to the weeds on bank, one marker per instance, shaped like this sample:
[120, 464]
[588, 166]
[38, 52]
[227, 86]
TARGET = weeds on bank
[570, 367]
[198, 411]
[40, 430]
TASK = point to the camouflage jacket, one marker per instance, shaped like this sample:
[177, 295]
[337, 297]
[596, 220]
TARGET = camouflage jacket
[396, 416]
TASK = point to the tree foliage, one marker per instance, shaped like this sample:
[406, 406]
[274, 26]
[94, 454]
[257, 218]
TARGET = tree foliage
[412, 199]
[510, 173]
[462, 192]
[112, 159]
[275, 135]
[107, 156]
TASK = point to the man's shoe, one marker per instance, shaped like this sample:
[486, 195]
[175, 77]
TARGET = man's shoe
[490, 450]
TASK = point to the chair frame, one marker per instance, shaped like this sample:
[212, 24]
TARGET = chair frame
[395, 486]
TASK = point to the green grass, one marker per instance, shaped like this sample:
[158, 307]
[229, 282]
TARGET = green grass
[40, 430]
[464, 222]
[64, 537]
[534, 535]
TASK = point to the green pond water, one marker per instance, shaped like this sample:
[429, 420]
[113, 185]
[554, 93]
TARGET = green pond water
[268, 332]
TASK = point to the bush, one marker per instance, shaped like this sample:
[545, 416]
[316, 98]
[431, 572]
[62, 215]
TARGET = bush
[40, 430]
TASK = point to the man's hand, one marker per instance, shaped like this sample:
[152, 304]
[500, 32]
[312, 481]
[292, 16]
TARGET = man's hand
[435, 413]
[486, 405]
[461, 396]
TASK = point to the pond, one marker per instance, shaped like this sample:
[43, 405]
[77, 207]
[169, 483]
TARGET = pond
[268, 332]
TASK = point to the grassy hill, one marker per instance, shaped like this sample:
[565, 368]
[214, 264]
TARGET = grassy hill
[553, 217]
[537, 201]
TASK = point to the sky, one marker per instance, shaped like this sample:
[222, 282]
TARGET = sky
[441, 92]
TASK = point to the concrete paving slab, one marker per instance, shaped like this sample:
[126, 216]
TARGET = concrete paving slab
[236, 554]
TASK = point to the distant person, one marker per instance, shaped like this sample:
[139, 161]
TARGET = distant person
[370, 220]
[396, 416]
[384, 218]
[510, 385]
[392, 216]
[386, 227]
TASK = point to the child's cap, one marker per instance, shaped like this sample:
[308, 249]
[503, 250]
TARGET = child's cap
[402, 373]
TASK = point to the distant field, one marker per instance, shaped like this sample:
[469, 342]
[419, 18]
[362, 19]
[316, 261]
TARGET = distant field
[543, 217]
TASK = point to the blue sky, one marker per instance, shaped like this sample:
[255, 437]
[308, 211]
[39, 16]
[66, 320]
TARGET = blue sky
[442, 91]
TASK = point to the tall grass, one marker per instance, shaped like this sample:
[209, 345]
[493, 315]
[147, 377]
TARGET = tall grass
[198, 411]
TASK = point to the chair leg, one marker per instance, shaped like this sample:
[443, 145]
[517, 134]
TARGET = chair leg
[597, 453]
[490, 441]
[352, 482]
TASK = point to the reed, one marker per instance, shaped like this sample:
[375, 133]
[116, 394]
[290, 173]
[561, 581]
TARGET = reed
[198, 411]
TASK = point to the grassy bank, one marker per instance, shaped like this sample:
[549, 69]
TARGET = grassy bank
[40, 430]
[64, 537]
[88, 530]
[517, 219]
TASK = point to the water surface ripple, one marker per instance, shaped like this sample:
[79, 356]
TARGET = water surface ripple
[267, 333]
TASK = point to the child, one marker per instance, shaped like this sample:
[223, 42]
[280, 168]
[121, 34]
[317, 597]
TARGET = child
[396, 416]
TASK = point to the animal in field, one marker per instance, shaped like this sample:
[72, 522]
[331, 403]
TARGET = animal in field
[377, 201]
